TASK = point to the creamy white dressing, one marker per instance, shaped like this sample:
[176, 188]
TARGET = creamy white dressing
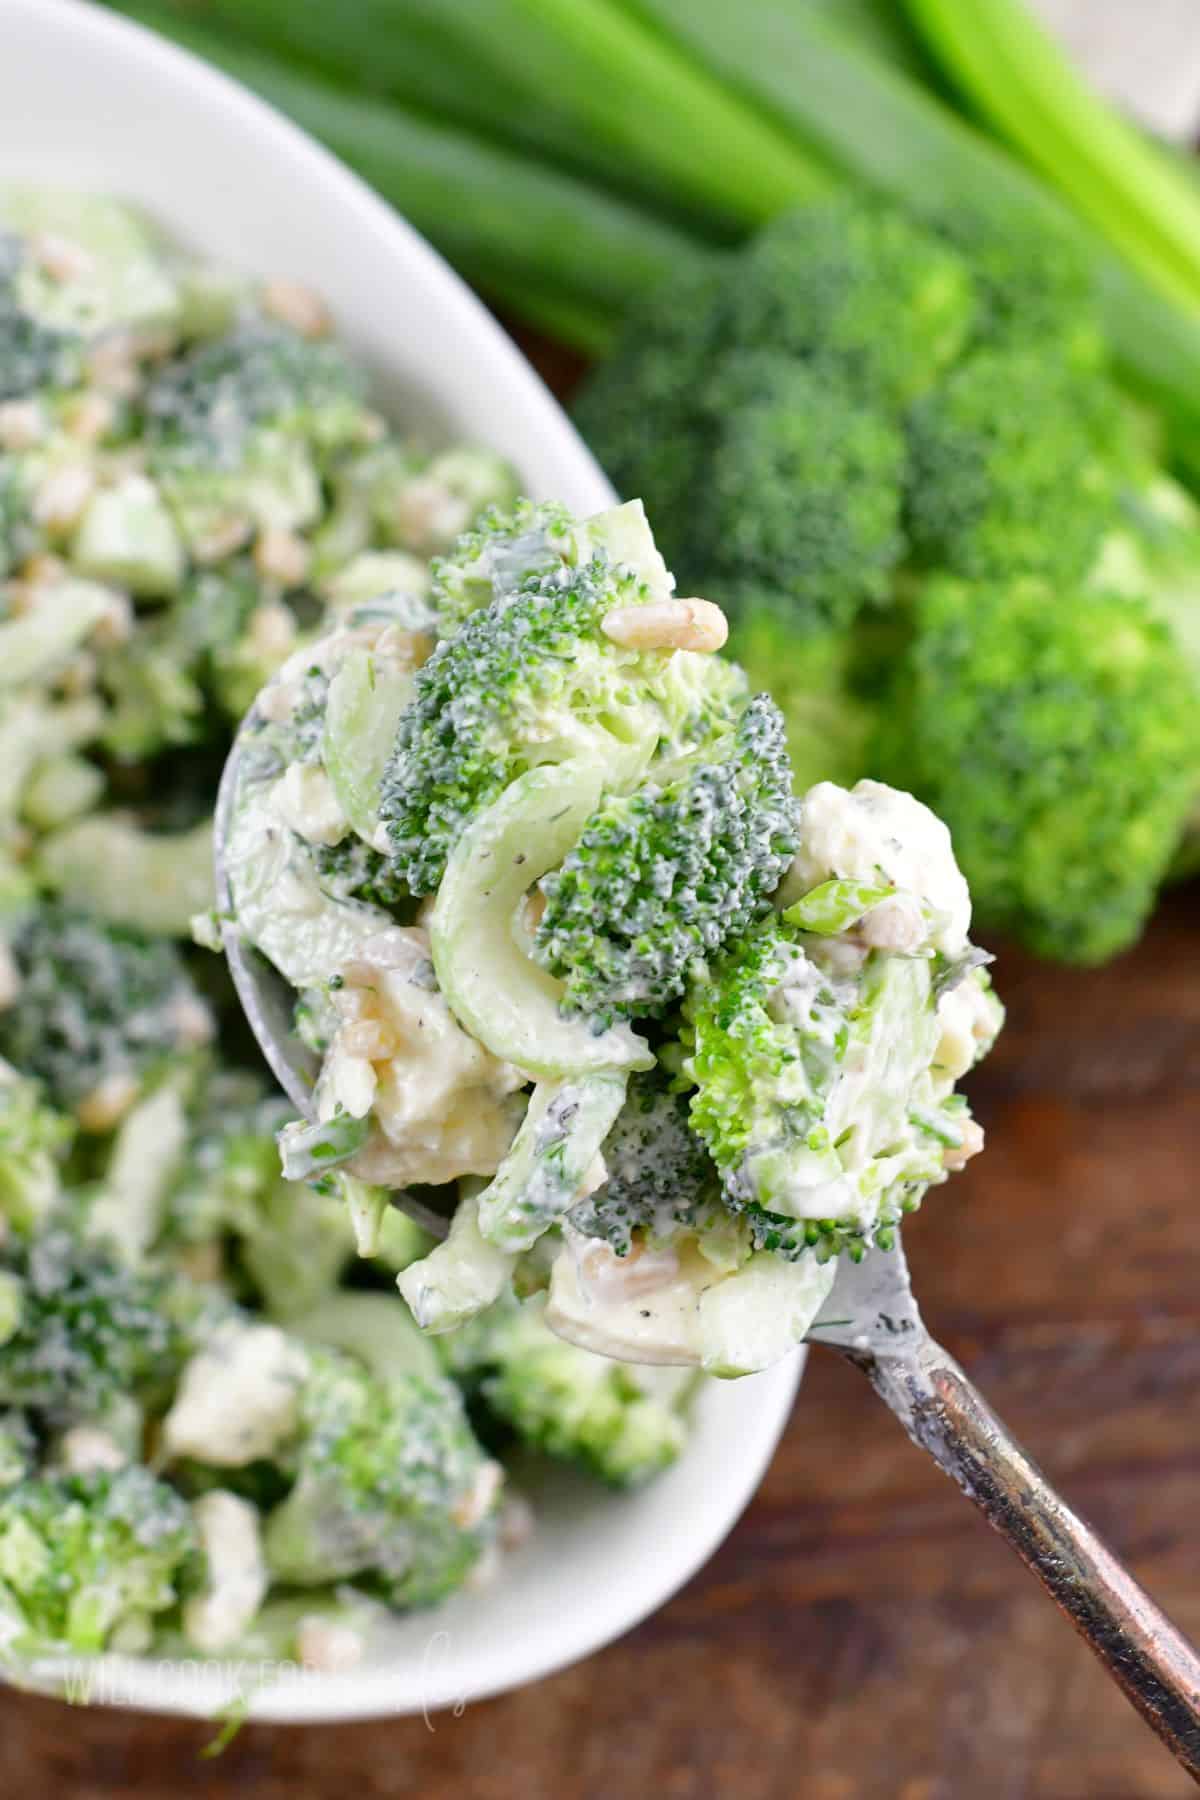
[239, 1397]
[872, 832]
[441, 1103]
[279, 902]
[691, 1315]
[236, 1578]
[303, 799]
[969, 1017]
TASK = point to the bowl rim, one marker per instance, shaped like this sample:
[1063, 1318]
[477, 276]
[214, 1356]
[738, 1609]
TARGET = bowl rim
[76, 29]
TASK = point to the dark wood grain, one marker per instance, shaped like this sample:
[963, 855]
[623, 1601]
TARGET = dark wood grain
[861, 1635]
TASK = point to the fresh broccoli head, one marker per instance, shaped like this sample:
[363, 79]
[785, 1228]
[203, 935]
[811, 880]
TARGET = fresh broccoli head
[240, 428]
[88, 1559]
[391, 1489]
[660, 879]
[89, 1330]
[1036, 286]
[658, 1176]
[614, 1420]
[34, 1141]
[801, 496]
[858, 292]
[860, 303]
[1153, 551]
[533, 679]
[98, 1007]
[1012, 467]
[1057, 734]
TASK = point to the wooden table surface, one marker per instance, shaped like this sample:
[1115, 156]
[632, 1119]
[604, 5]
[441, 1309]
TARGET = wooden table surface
[861, 1635]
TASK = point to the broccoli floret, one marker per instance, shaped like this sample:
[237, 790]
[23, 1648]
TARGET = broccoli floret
[91, 1330]
[96, 1005]
[1153, 550]
[1036, 286]
[240, 428]
[815, 1089]
[502, 553]
[857, 291]
[391, 1488]
[661, 879]
[85, 1557]
[1012, 469]
[801, 496]
[533, 679]
[618, 1422]
[658, 1174]
[262, 377]
[34, 1141]
[1056, 733]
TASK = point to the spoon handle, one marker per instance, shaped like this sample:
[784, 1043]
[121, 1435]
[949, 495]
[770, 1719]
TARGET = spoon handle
[1146, 1656]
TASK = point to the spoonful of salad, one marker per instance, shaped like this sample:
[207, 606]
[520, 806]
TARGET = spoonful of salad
[537, 938]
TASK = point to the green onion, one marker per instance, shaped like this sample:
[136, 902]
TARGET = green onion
[1011, 71]
[581, 81]
[564, 254]
[875, 125]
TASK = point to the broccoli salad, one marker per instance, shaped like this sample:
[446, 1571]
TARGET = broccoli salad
[220, 1430]
[660, 1039]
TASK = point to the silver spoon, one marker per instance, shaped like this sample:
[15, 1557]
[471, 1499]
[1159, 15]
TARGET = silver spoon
[871, 1317]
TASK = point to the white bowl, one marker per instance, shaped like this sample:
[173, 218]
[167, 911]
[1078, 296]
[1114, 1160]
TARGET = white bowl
[88, 100]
